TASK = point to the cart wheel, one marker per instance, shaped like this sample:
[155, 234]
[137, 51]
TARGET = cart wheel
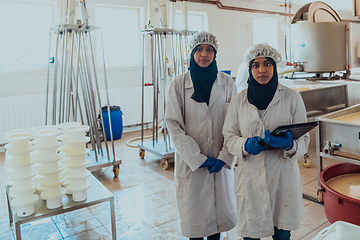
[320, 196]
[116, 169]
[141, 153]
[164, 163]
[306, 161]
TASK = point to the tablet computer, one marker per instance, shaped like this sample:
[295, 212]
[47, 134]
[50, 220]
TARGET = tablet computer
[297, 130]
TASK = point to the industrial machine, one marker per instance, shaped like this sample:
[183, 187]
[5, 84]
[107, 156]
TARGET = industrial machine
[322, 43]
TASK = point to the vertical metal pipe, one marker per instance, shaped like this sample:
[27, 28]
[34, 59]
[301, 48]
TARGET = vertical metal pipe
[163, 13]
[77, 79]
[91, 93]
[185, 14]
[63, 60]
[142, 88]
[48, 81]
[108, 101]
[163, 92]
[98, 95]
[153, 57]
[59, 33]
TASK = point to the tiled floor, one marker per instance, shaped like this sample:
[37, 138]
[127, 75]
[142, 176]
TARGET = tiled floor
[145, 203]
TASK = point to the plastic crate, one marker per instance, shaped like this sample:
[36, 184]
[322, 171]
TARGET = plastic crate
[339, 230]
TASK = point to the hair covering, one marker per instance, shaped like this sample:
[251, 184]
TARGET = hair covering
[262, 50]
[202, 78]
[203, 38]
[260, 95]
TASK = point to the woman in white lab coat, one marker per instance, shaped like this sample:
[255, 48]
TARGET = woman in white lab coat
[196, 107]
[267, 182]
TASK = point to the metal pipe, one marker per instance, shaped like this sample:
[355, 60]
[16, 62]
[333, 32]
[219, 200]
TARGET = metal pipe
[163, 13]
[98, 95]
[185, 14]
[142, 88]
[173, 13]
[47, 82]
[91, 94]
[241, 9]
[63, 62]
[108, 101]
[153, 57]
[55, 77]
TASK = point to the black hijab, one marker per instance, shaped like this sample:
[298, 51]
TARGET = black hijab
[202, 78]
[260, 95]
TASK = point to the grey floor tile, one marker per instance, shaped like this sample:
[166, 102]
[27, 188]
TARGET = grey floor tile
[41, 229]
[75, 225]
[131, 225]
[99, 233]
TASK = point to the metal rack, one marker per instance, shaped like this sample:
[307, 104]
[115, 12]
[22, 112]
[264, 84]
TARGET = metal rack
[178, 39]
[76, 93]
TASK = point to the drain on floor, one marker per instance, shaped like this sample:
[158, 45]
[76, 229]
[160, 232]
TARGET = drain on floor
[311, 198]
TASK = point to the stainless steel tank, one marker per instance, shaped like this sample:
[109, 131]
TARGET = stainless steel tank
[320, 46]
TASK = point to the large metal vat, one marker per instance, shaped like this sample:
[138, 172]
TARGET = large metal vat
[320, 46]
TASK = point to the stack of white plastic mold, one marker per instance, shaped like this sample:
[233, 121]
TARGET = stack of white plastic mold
[64, 159]
[74, 147]
[46, 144]
[18, 162]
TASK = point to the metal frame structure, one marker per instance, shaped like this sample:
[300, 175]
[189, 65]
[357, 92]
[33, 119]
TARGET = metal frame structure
[179, 41]
[76, 89]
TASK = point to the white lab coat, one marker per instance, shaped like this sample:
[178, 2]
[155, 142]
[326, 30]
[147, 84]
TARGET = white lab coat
[206, 202]
[268, 185]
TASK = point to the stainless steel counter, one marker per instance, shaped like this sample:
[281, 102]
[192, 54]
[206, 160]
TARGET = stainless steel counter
[96, 194]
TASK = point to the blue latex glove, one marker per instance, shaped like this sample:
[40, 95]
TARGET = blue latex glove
[209, 162]
[217, 167]
[253, 146]
[285, 142]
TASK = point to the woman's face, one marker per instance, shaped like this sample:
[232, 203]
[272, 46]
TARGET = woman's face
[262, 70]
[204, 55]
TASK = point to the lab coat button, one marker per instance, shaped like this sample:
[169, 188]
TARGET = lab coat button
[208, 119]
[262, 169]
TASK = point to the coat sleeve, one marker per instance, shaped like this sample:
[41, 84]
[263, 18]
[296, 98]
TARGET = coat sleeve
[301, 144]
[224, 154]
[233, 139]
[186, 146]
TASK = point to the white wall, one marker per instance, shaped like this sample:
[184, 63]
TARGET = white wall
[233, 29]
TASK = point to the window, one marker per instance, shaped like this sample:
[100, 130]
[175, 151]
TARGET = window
[265, 30]
[197, 21]
[120, 28]
[25, 25]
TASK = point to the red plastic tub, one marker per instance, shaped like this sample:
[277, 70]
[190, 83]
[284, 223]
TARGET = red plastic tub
[339, 207]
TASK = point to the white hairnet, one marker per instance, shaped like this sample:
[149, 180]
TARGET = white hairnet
[262, 50]
[203, 38]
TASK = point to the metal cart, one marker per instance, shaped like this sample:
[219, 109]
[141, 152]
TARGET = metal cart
[158, 36]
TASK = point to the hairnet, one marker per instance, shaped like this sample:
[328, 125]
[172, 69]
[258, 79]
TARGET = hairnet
[262, 50]
[203, 38]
